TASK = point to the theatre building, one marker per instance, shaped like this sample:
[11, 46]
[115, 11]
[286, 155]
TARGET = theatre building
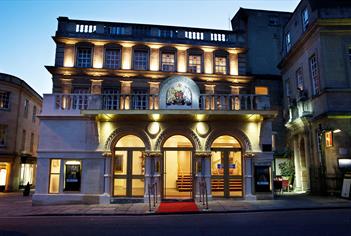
[134, 105]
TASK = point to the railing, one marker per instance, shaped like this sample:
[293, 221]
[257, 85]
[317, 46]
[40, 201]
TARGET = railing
[203, 193]
[215, 102]
[152, 190]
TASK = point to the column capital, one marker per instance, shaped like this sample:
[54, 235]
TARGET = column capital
[107, 154]
[203, 154]
[152, 154]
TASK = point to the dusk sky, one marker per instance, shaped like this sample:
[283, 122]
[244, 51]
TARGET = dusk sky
[27, 26]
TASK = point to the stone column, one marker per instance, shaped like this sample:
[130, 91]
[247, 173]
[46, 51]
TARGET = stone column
[208, 62]
[125, 98]
[210, 102]
[98, 58]
[95, 101]
[233, 63]
[298, 186]
[181, 59]
[108, 172]
[152, 173]
[127, 57]
[154, 99]
[248, 176]
[155, 59]
[205, 159]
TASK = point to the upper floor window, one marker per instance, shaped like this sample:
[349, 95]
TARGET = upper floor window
[34, 115]
[31, 143]
[84, 57]
[141, 30]
[26, 108]
[194, 64]
[194, 35]
[288, 41]
[299, 79]
[4, 99]
[220, 65]
[117, 30]
[314, 74]
[140, 60]
[113, 58]
[23, 143]
[3, 135]
[305, 19]
[168, 62]
[260, 90]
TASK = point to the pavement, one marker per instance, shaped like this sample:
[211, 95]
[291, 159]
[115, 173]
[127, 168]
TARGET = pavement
[14, 205]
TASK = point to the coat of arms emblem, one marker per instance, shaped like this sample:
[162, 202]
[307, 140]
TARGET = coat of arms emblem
[178, 95]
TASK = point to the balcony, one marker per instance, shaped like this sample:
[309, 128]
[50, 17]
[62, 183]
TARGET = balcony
[223, 104]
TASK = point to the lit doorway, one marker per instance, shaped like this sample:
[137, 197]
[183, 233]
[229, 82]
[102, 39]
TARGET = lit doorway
[128, 167]
[3, 176]
[226, 167]
[177, 168]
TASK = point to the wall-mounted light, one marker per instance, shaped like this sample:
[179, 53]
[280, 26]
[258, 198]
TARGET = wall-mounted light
[155, 117]
[153, 128]
[202, 128]
[337, 131]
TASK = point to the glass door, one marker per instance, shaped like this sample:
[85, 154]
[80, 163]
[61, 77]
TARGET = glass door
[177, 174]
[128, 173]
[226, 173]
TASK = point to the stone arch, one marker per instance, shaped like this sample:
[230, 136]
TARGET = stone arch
[188, 133]
[123, 131]
[238, 134]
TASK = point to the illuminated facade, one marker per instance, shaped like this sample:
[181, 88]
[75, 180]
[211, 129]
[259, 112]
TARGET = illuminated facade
[19, 130]
[133, 105]
[316, 75]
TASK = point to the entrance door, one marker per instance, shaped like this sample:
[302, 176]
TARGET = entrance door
[177, 168]
[128, 167]
[226, 173]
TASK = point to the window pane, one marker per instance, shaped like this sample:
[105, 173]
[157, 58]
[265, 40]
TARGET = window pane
[112, 58]
[55, 166]
[72, 175]
[194, 64]
[221, 65]
[168, 62]
[138, 163]
[4, 99]
[54, 183]
[120, 187]
[217, 163]
[235, 163]
[84, 57]
[140, 60]
[137, 187]
[120, 163]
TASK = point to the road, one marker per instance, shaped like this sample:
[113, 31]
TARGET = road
[311, 222]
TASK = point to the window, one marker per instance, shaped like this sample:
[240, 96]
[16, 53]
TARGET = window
[3, 135]
[72, 176]
[115, 30]
[34, 115]
[261, 90]
[287, 87]
[80, 98]
[305, 19]
[140, 61]
[314, 75]
[141, 30]
[4, 100]
[84, 57]
[113, 58]
[27, 173]
[348, 55]
[111, 99]
[32, 142]
[288, 41]
[220, 65]
[168, 62]
[54, 185]
[140, 99]
[23, 143]
[299, 79]
[328, 139]
[85, 28]
[194, 35]
[26, 108]
[194, 64]
[165, 33]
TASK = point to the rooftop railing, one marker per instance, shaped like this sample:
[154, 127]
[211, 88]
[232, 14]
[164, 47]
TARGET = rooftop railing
[74, 103]
[95, 29]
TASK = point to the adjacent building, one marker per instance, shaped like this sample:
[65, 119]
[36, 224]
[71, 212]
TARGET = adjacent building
[138, 105]
[316, 69]
[19, 132]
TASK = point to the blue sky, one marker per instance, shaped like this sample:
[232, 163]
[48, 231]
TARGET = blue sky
[26, 26]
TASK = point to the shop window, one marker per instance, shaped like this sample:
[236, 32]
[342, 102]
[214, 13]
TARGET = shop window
[329, 139]
[3, 175]
[4, 99]
[72, 176]
[262, 179]
[27, 171]
[55, 166]
[261, 90]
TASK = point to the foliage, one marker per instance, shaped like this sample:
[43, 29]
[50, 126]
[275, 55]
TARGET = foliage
[287, 168]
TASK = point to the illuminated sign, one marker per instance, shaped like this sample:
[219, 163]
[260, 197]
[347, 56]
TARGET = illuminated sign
[329, 139]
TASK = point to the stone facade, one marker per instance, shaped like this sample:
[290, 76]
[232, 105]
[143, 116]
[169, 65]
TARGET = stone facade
[19, 106]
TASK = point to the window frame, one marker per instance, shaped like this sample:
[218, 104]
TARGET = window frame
[144, 49]
[288, 41]
[166, 52]
[55, 173]
[5, 96]
[305, 21]
[215, 56]
[314, 74]
[300, 85]
[65, 172]
[119, 56]
[86, 47]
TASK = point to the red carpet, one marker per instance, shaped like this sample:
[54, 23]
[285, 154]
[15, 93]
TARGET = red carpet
[170, 207]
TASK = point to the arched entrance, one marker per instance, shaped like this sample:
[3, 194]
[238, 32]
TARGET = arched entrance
[128, 167]
[177, 168]
[226, 167]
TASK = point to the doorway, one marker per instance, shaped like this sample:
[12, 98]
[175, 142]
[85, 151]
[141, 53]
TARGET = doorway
[226, 168]
[178, 172]
[128, 167]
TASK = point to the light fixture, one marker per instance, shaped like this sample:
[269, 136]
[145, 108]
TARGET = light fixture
[155, 117]
[337, 131]
[153, 128]
[202, 128]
